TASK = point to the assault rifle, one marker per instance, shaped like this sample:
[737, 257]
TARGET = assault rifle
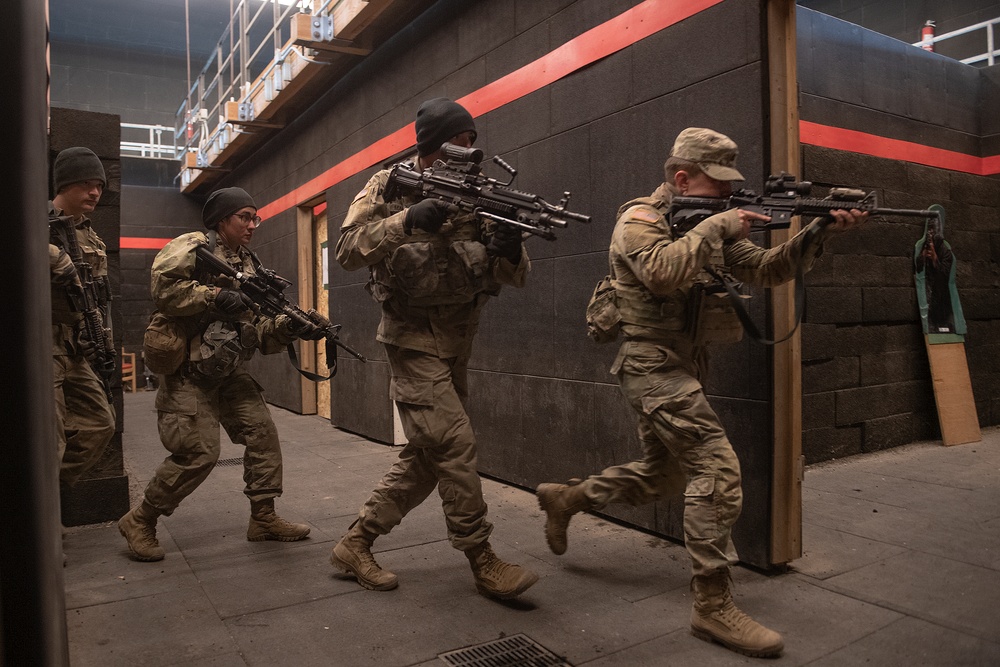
[85, 298]
[459, 180]
[783, 198]
[266, 289]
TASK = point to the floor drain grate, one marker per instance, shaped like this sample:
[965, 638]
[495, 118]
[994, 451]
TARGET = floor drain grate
[238, 461]
[514, 651]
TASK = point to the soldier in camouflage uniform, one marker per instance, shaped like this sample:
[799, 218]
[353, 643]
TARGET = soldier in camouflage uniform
[660, 365]
[432, 271]
[213, 329]
[85, 420]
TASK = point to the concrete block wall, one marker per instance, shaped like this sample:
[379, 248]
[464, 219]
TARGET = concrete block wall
[131, 62]
[542, 400]
[866, 378]
[904, 19]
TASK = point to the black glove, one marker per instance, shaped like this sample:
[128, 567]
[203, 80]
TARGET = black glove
[230, 304]
[87, 348]
[428, 215]
[506, 243]
[312, 330]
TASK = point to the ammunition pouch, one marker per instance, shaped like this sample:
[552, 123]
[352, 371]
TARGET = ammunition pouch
[164, 345]
[433, 273]
[223, 346]
[603, 317]
[712, 316]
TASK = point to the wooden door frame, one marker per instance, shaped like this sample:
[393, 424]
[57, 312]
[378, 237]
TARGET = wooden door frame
[307, 300]
[787, 462]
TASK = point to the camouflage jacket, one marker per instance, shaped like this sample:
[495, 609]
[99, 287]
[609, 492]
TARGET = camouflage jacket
[653, 272]
[432, 287]
[65, 319]
[186, 294]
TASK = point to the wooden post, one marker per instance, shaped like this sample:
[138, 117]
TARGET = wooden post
[786, 481]
[307, 348]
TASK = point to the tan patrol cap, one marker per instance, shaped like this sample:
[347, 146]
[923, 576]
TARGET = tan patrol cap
[714, 152]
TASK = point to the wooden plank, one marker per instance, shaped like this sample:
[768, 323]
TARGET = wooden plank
[351, 17]
[956, 406]
[304, 34]
[786, 479]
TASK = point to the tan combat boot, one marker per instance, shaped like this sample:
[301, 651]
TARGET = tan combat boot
[560, 502]
[716, 618]
[353, 555]
[496, 578]
[266, 525]
[138, 527]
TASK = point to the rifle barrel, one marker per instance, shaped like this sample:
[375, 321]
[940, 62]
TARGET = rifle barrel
[924, 213]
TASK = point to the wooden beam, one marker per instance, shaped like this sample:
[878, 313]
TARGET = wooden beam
[786, 481]
[351, 17]
[305, 32]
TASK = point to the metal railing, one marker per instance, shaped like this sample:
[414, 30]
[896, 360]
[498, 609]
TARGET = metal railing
[149, 141]
[991, 51]
[250, 45]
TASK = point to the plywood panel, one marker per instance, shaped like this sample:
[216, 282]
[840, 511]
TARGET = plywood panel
[956, 406]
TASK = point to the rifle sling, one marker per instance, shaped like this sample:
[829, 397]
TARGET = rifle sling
[748, 324]
[331, 353]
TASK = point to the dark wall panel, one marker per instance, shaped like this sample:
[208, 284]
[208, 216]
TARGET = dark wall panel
[542, 401]
[904, 20]
[102, 493]
[147, 212]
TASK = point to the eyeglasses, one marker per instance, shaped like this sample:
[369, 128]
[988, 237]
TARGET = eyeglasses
[247, 218]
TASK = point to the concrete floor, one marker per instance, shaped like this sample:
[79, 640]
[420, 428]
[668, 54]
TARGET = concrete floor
[901, 567]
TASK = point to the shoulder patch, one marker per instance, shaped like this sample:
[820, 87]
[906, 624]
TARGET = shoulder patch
[643, 214]
[363, 193]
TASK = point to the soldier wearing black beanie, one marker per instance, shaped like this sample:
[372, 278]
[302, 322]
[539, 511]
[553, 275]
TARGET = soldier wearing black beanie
[75, 165]
[432, 272]
[222, 203]
[438, 120]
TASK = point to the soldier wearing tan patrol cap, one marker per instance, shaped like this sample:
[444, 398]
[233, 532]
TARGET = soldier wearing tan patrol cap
[657, 276]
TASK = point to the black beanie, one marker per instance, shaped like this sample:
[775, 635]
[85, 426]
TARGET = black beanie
[75, 165]
[222, 203]
[439, 120]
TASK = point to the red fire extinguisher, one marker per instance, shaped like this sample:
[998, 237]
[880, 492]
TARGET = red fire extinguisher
[190, 127]
[927, 36]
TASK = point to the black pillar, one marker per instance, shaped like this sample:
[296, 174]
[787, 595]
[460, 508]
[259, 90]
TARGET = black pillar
[32, 604]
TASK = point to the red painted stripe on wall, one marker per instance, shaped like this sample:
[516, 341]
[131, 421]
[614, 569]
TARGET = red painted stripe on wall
[142, 243]
[895, 149]
[811, 133]
[641, 21]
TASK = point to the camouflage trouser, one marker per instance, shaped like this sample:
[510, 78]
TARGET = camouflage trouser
[684, 449]
[85, 421]
[441, 450]
[189, 414]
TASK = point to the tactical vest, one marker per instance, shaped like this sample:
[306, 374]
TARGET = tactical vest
[700, 312]
[212, 348]
[63, 310]
[447, 268]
